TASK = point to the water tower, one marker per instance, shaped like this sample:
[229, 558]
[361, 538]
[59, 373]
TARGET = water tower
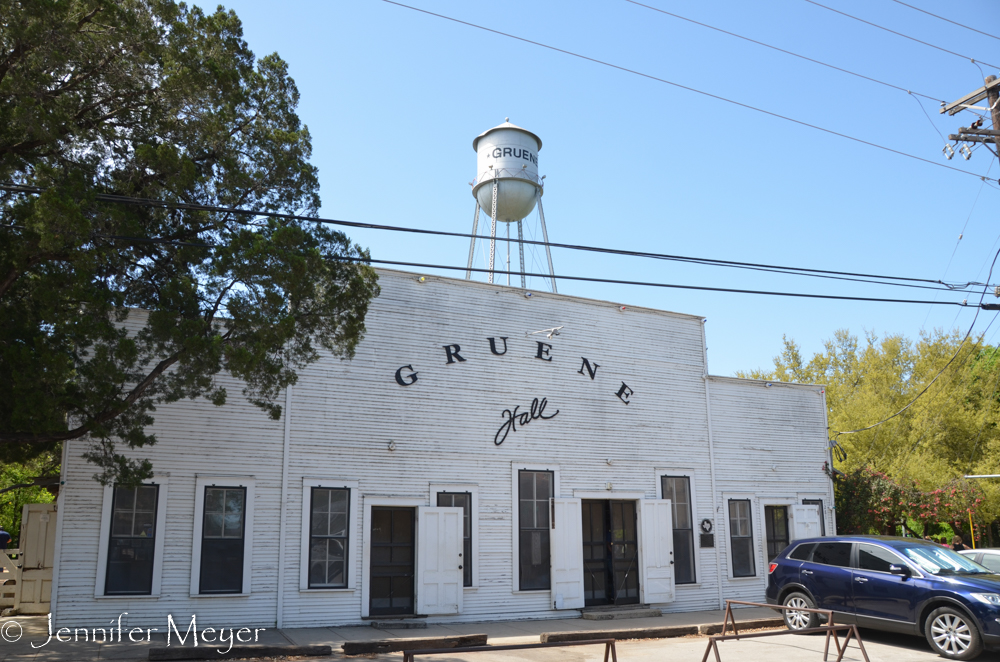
[508, 187]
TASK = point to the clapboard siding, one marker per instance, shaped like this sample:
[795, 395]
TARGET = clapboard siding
[345, 413]
[770, 442]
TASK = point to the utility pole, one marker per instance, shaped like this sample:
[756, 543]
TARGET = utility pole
[975, 133]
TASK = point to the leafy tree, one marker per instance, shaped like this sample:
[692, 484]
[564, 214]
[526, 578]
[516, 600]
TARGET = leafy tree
[110, 309]
[949, 431]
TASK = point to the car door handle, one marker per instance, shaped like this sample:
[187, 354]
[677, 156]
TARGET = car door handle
[860, 579]
[807, 572]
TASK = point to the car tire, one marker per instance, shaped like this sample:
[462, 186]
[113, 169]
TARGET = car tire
[953, 634]
[799, 620]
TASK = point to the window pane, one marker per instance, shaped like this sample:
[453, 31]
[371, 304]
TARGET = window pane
[678, 490]
[684, 556]
[214, 500]
[991, 561]
[132, 543]
[741, 538]
[535, 490]
[222, 544]
[213, 525]
[802, 552]
[833, 553]
[875, 558]
[329, 538]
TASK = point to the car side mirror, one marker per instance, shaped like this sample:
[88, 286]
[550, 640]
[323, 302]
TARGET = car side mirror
[900, 570]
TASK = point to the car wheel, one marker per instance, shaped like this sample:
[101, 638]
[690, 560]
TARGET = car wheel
[953, 634]
[799, 620]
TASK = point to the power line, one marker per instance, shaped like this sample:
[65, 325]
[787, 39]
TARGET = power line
[782, 50]
[799, 271]
[588, 279]
[615, 281]
[899, 34]
[924, 11]
[683, 87]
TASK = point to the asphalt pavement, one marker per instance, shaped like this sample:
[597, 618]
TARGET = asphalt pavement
[880, 646]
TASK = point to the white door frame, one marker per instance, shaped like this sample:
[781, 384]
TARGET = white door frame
[366, 544]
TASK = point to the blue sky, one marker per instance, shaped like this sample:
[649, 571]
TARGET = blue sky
[393, 99]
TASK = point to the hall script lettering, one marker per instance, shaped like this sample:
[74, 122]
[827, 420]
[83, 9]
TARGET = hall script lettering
[515, 418]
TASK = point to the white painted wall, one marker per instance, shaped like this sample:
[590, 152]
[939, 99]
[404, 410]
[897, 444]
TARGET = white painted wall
[345, 414]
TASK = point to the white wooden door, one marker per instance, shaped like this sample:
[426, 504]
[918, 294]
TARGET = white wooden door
[566, 553]
[656, 554]
[806, 522]
[439, 560]
[38, 546]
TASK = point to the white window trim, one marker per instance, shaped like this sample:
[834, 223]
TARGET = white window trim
[755, 520]
[515, 517]
[201, 482]
[352, 518]
[105, 539]
[473, 490]
[366, 548]
[695, 520]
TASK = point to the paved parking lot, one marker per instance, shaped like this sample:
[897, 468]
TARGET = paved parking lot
[881, 647]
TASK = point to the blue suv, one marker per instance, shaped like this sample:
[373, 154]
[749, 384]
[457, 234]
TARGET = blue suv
[887, 583]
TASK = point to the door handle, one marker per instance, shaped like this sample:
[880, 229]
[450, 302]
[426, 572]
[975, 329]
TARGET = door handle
[860, 579]
[807, 572]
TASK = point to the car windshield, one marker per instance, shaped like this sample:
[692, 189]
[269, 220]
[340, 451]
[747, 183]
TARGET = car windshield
[942, 561]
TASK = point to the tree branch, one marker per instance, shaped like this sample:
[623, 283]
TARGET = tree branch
[104, 416]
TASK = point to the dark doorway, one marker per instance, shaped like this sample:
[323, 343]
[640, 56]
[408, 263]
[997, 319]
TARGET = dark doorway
[391, 581]
[776, 525]
[610, 553]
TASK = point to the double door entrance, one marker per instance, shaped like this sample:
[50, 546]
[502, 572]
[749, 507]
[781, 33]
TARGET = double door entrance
[610, 553]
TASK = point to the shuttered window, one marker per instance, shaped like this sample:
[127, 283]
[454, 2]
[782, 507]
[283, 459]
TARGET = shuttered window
[328, 537]
[133, 541]
[462, 500]
[741, 538]
[535, 489]
[678, 490]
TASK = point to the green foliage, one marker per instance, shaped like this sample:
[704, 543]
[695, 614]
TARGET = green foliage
[868, 501]
[156, 100]
[950, 431]
[13, 501]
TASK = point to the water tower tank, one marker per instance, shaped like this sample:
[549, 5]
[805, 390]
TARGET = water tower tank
[509, 155]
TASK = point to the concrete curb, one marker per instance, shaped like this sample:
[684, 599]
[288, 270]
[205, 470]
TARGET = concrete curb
[238, 652]
[412, 643]
[662, 632]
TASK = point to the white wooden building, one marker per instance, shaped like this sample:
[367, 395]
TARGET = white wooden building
[461, 467]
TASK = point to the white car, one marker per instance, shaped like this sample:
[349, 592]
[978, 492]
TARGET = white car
[987, 557]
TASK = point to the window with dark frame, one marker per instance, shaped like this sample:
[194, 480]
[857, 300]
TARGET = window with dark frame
[132, 544]
[462, 500]
[678, 490]
[776, 530]
[328, 537]
[535, 489]
[741, 538]
[222, 540]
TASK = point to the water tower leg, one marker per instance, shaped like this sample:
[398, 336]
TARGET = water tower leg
[520, 250]
[548, 251]
[508, 254]
[493, 231]
[472, 243]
